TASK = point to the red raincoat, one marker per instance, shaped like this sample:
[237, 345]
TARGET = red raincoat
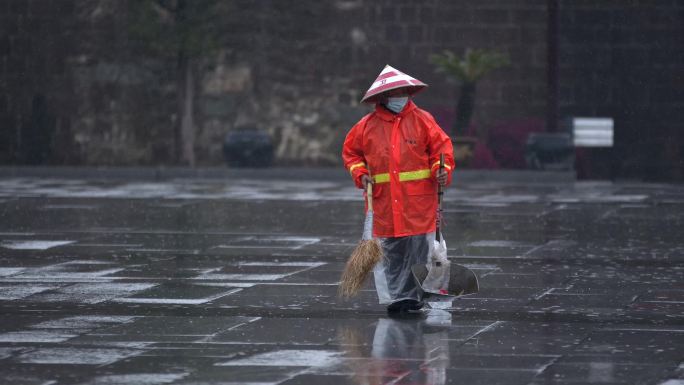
[401, 152]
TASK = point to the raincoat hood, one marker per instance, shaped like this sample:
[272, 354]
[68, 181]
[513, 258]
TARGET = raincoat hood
[389, 79]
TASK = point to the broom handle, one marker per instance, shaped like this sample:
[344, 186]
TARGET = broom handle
[369, 196]
[440, 194]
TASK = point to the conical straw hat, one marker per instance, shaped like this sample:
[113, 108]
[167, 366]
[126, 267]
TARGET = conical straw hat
[390, 79]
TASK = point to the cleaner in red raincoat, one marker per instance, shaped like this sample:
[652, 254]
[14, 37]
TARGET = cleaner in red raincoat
[397, 148]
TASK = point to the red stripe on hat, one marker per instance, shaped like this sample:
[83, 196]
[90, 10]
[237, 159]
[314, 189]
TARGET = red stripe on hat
[400, 83]
[386, 75]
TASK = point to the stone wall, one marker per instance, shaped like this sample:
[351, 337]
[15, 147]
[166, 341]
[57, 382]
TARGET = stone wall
[308, 63]
[77, 90]
[36, 93]
[295, 68]
[624, 59]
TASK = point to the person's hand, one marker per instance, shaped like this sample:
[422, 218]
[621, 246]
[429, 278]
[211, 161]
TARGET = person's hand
[365, 179]
[442, 176]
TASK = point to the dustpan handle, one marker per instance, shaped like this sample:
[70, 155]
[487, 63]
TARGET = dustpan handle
[440, 194]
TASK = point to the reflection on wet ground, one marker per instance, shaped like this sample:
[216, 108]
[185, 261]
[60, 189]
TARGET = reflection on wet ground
[234, 282]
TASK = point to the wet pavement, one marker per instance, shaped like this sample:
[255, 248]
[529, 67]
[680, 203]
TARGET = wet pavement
[212, 281]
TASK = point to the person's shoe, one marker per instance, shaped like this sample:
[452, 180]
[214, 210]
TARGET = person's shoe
[414, 306]
[405, 306]
[395, 307]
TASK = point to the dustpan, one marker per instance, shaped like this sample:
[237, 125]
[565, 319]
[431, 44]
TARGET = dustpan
[462, 281]
[441, 279]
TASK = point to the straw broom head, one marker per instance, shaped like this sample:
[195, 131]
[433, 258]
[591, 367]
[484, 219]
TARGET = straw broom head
[361, 262]
[365, 256]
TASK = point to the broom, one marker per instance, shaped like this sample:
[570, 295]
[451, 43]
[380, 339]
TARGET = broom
[365, 256]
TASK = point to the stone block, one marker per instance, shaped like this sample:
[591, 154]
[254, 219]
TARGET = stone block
[515, 92]
[667, 95]
[491, 16]
[519, 55]
[423, 52]
[5, 46]
[395, 33]
[595, 95]
[228, 79]
[426, 14]
[371, 14]
[529, 16]
[17, 7]
[629, 55]
[45, 7]
[388, 14]
[442, 34]
[501, 4]
[65, 8]
[539, 59]
[593, 17]
[625, 17]
[580, 56]
[577, 35]
[15, 68]
[453, 16]
[670, 57]
[533, 33]
[499, 36]
[408, 14]
[415, 34]
[467, 37]
[223, 106]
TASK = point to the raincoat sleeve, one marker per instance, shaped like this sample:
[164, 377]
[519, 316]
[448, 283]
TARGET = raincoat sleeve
[439, 143]
[352, 152]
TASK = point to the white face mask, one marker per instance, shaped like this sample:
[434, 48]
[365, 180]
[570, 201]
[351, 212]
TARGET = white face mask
[396, 104]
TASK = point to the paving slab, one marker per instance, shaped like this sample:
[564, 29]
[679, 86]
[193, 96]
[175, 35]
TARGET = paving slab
[162, 277]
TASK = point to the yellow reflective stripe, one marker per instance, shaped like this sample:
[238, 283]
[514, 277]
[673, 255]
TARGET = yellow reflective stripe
[445, 165]
[414, 175]
[355, 166]
[404, 176]
[381, 178]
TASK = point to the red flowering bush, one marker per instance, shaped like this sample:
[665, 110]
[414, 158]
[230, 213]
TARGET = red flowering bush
[507, 140]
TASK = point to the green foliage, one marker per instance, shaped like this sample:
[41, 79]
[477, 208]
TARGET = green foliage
[171, 27]
[470, 68]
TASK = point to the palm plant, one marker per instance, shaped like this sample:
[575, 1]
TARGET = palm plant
[467, 70]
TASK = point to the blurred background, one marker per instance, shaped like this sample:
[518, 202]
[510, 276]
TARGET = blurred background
[209, 83]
